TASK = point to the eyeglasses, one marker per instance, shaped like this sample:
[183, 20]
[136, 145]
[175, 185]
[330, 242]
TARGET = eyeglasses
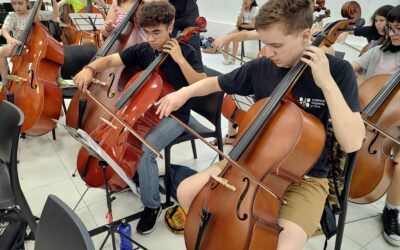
[155, 34]
[391, 28]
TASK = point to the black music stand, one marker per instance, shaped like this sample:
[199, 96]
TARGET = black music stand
[105, 161]
[87, 21]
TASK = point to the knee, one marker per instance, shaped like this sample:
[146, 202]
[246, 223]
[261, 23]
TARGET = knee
[147, 153]
[183, 195]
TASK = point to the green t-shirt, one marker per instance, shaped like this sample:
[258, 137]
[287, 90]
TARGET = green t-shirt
[78, 4]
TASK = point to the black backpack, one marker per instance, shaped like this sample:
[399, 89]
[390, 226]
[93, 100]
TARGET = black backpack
[12, 229]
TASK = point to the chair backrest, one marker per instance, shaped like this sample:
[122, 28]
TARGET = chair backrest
[209, 107]
[60, 228]
[11, 120]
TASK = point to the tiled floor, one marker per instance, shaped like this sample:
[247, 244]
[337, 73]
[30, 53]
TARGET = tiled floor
[46, 167]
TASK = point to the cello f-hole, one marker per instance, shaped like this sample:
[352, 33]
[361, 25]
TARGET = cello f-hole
[242, 196]
[111, 95]
[372, 143]
[120, 143]
[31, 74]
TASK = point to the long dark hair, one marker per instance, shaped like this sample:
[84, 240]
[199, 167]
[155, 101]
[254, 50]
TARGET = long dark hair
[382, 11]
[392, 16]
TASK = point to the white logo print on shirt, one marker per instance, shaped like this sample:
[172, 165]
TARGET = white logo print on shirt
[308, 102]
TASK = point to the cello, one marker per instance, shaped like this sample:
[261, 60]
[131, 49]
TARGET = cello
[85, 113]
[33, 80]
[230, 105]
[374, 164]
[252, 211]
[94, 37]
[135, 108]
[71, 35]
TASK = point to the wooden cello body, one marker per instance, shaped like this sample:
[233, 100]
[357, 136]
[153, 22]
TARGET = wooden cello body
[69, 32]
[35, 90]
[252, 212]
[278, 144]
[136, 108]
[374, 165]
[71, 35]
[115, 78]
[122, 146]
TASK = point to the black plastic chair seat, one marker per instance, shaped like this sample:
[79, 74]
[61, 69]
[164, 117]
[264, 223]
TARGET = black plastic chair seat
[69, 92]
[60, 228]
[7, 198]
[196, 126]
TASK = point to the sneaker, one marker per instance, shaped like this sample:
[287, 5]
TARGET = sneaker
[147, 222]
[391, 227]
[228, 60]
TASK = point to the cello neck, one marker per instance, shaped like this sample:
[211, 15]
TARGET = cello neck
[115, 34]
[382, 95]
[143, 77]
[28, 27]
[89, 6]
[282, 90]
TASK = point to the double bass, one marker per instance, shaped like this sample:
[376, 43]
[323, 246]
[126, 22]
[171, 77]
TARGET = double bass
[275, 135]
[71, 35]
[374, 166]
[85, 113]
[32, 83]
[135, 107]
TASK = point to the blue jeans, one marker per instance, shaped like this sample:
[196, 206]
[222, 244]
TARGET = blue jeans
[159, 137]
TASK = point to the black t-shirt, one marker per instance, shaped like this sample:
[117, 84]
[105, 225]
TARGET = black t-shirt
[368, 32]
[261, 76]
[141, 55]
[186, 13]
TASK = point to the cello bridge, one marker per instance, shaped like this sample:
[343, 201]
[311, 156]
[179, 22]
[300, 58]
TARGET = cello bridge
[16, 78]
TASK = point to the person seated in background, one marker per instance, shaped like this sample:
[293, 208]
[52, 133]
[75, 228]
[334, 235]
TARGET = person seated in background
[382, 59]
[385, 59]
[375, 32]
[14, 26]
[116, 14]
[245, 21]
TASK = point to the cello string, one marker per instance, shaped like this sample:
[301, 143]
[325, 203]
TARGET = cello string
[126, 126]
[233, 162]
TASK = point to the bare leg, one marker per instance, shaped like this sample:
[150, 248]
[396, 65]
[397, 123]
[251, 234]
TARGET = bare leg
[4, 53]
[235, 46]
[3, 69]
[191, 186]
[292, 237]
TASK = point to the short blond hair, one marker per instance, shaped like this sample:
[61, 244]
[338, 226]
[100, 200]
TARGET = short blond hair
[293, 14]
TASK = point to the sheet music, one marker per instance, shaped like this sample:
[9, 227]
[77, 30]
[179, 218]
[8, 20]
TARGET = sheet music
[95, 150]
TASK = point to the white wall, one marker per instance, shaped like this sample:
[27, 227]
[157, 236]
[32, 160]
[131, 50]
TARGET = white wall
[221, 16]
[225, 11]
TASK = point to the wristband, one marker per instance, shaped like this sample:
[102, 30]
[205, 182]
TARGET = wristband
[89, 68]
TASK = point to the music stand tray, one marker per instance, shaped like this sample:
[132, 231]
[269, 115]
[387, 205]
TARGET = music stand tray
[105, 160]
[87, 21]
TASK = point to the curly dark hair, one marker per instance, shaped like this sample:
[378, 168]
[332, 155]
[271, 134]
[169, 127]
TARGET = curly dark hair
[155, 13]
[293, 14]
